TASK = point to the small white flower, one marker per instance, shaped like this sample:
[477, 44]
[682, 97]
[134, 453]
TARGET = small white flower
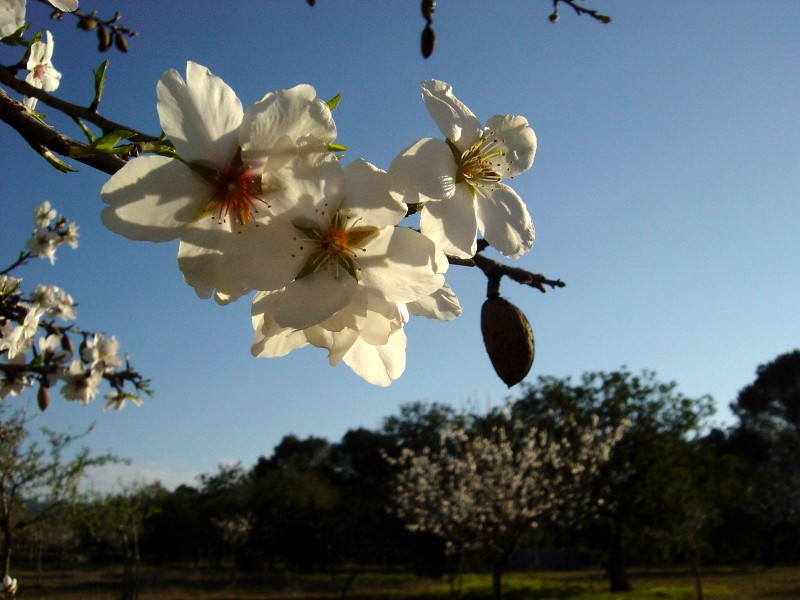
[81, 384]
[43, 243]
[9, 285]
[117, 400]
[9, 586]
[41, 73]
[101, 352]
[14, 385]
[461, 178]
[43, 215]
[18, 340]
[70, 236]
[57, 303]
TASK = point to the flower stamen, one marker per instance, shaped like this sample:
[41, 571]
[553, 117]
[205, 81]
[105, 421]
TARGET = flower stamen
[475, 165]
[236, 193]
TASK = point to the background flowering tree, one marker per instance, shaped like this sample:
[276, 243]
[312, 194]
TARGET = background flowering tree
[484, 487]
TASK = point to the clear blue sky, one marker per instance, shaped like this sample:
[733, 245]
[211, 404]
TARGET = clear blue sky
[665, 193]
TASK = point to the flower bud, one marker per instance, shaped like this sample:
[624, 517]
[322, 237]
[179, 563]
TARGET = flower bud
[121, 43]
[428, 41]
[43, 398]
[88, 23]
[508, 338]
[103, 39]
[428, 7]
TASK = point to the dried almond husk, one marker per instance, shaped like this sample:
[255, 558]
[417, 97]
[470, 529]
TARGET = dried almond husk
[508, 338]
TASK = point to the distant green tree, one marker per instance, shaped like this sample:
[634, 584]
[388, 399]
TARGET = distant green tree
[635, 490]
[36, 484]
[772, 401]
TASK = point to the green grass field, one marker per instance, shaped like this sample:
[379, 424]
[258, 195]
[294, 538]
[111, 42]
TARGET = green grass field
[781, 583]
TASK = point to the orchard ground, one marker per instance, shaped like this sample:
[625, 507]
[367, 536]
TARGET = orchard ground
[741, 583]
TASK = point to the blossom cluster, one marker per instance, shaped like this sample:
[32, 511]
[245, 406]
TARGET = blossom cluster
[483, 489]
[9, 587]
[260, 202]
[36, 349]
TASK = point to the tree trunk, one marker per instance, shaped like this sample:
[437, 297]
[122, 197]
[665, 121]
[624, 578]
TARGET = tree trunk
[497, 579]
[7, 534]
[615, 567]
[698, 586]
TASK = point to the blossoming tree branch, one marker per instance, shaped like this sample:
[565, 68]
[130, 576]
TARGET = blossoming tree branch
[260, 203]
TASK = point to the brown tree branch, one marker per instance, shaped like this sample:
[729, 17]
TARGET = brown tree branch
[73, 110]
[43, 138]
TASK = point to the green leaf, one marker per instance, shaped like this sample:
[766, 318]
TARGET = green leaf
[57, 162]
[334, 102]
[99, 81]
[336, 147]
[107, 142]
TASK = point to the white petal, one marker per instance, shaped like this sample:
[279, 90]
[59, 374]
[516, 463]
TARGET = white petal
[295, 113]
[399, 265]
[12, 16]
[49, 46]
[338, 343]
[518, 141]
[505, 222]
[153, 198]
[452, 224]
[277, 345]
[424, 171]
[368, 195]
[442, 305]
[65, 5]
[258, 258]
[379, 365]
[201, 116]
[314, 298]
[455, 120]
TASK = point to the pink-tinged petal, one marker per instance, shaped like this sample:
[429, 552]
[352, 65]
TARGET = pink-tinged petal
[314, 298]
[295, 112]
[505, 222]
[152, 198]
[50, 79]
[518, 142]
[452, 224]
[424, 171]
[399, 265]
[200, 116]
[442, 305]
[454, 119]
[379, 365]
[368, 195]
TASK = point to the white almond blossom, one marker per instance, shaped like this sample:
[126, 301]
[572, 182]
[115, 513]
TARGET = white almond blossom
[41, 72]
[56, 303]
[9, 586]
[43, 215]
[13, 384]
[18, 339]
[81, 384]
[101, 352]
[212, 199]
[117, 400]
[367, 335]
[65, 5]
[345, 244]
[43, 243]
[461, 178]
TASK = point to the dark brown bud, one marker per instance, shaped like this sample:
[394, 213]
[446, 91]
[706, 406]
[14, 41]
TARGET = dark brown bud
[103, 39]
[311, 2]
[66, 344]
[43, 398]
[88, 23]
[508, 338]
[428, 41]
[120, 42]
[428, 8]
